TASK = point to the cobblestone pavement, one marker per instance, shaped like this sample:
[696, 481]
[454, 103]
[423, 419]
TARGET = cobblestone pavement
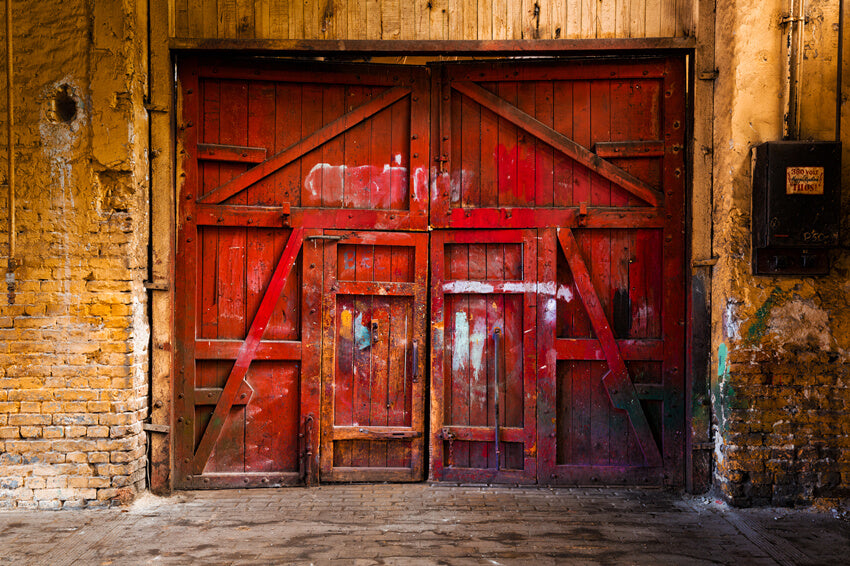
[424, 524]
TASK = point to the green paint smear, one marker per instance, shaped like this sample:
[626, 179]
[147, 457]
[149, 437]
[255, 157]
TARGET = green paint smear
[758, 327]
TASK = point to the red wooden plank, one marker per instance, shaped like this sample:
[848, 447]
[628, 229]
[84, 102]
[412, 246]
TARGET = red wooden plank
[455, 147]
[382, 161]
[617, 382]
[561, 143]
[186, 280]
[248, 349]
[508, 187]
[363, 370]
[241, 215]
[400, 183]
[229, 349]
[457, 394]
[381, 354]
[357, 156]
[489, 156]
[233, 128]
[600, 129]
[546, 175]
[272, 418]
[582, 135]
[311, 363]
[400, 334]
[340, 387]
[234, 153]
[470, 163]
[562, 122]
[314, 140]
[312, 168]
[477, 354]
[333, 152]
[631, 148]
[527, 147]
[287, 131]
[548, 413]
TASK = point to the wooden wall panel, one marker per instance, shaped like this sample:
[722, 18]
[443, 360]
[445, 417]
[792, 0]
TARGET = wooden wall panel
[429, 19]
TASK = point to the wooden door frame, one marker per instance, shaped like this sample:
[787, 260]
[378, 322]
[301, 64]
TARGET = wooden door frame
[168, 164]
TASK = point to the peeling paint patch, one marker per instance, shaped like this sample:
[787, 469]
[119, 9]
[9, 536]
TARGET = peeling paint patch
[460, 339]
[801, 324]
[758, 327]
[731, 321]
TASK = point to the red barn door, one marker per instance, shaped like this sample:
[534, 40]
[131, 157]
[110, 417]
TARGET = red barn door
[589, 157]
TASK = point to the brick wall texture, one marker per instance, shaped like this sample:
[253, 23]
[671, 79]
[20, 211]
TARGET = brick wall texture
[73, 338]
[786, 435]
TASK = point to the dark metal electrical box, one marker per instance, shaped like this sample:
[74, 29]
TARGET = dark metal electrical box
[796, 206]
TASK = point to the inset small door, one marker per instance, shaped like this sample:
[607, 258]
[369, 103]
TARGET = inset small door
[374, 321]
[484, 289]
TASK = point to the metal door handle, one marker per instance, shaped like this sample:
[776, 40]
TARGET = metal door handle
[415, 361]
[497, 334]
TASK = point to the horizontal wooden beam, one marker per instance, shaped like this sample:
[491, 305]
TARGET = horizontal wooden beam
[373, 433]
[647, 148]
[228, 349]
[486, 433]
[242, 215]
[231, 153]
[591, 349]
[436, 47]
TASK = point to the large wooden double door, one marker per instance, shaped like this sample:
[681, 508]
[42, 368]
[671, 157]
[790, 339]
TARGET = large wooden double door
[471, 271]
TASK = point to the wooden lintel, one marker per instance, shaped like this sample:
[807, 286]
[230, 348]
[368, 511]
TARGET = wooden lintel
[436, 47]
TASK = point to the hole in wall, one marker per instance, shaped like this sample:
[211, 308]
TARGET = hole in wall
[63, 105]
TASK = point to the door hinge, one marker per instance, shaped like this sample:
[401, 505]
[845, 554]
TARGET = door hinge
[151, 427]
[158, 285]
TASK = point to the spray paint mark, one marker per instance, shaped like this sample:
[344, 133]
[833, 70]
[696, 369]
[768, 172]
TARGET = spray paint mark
[758, 327]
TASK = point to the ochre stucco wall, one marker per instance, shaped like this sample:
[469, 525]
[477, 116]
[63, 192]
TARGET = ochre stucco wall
[781, 385]
[73, 346]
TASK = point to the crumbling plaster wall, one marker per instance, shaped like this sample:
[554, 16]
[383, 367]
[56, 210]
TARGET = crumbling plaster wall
[781, 345]
[73, 337]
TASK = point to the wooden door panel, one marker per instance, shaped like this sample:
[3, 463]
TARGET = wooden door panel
[483, 356]
[526, 148]
[374, 337]
[313, 141]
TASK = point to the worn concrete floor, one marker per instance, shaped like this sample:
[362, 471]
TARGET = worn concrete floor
[424, 524]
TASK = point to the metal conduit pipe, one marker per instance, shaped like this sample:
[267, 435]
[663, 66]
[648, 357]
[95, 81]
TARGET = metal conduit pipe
[795, 20]
[10, 174]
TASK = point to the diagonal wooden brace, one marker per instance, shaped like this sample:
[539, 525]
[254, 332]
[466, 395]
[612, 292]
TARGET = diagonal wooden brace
[560, 142]
[299, 148]
[248, 350]
[617, 382]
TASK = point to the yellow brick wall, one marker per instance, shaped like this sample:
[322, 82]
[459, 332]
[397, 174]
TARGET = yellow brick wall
[73, 339]
[781, 346]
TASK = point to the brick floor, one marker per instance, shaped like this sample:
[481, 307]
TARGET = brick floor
[424, 524]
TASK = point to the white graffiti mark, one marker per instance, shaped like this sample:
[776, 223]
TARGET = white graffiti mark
[561, 292]
[379, 182]
[476, 345]
[460, 348]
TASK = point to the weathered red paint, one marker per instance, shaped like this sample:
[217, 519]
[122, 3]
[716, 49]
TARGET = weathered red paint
[497, 158]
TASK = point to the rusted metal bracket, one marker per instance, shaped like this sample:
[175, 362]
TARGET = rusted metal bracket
[709, 75]
[161, 428]
[156, 285]
[448, 435]
[156, 108]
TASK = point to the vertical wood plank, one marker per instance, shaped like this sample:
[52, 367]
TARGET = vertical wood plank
[544, 165]
[485, 20]
[489, 155]
[470, 164]
[181, 17]
[287, 130]
[606, 18]
[637, 18]
[454, 13]
[333, 152]
[581, 135]
[507, 190]
[600, 130]
[589, 19]
[500, 19]
[669, 21]
[400, 184]
[574, 18]
[312, 353]
[548, 405]
[439, 19]
[363, 370]
[562, 121]
[357, 152]
[296, 19]
[527, 148]
[458, 392]
[312, 173]
[457, 140]
[373, 19]
[622, 18]
[480, 392]
[469, 10]
[381, 161]
[391, 19]
[245, 22]
[278, 18]
[227, 19]
[652, 18]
